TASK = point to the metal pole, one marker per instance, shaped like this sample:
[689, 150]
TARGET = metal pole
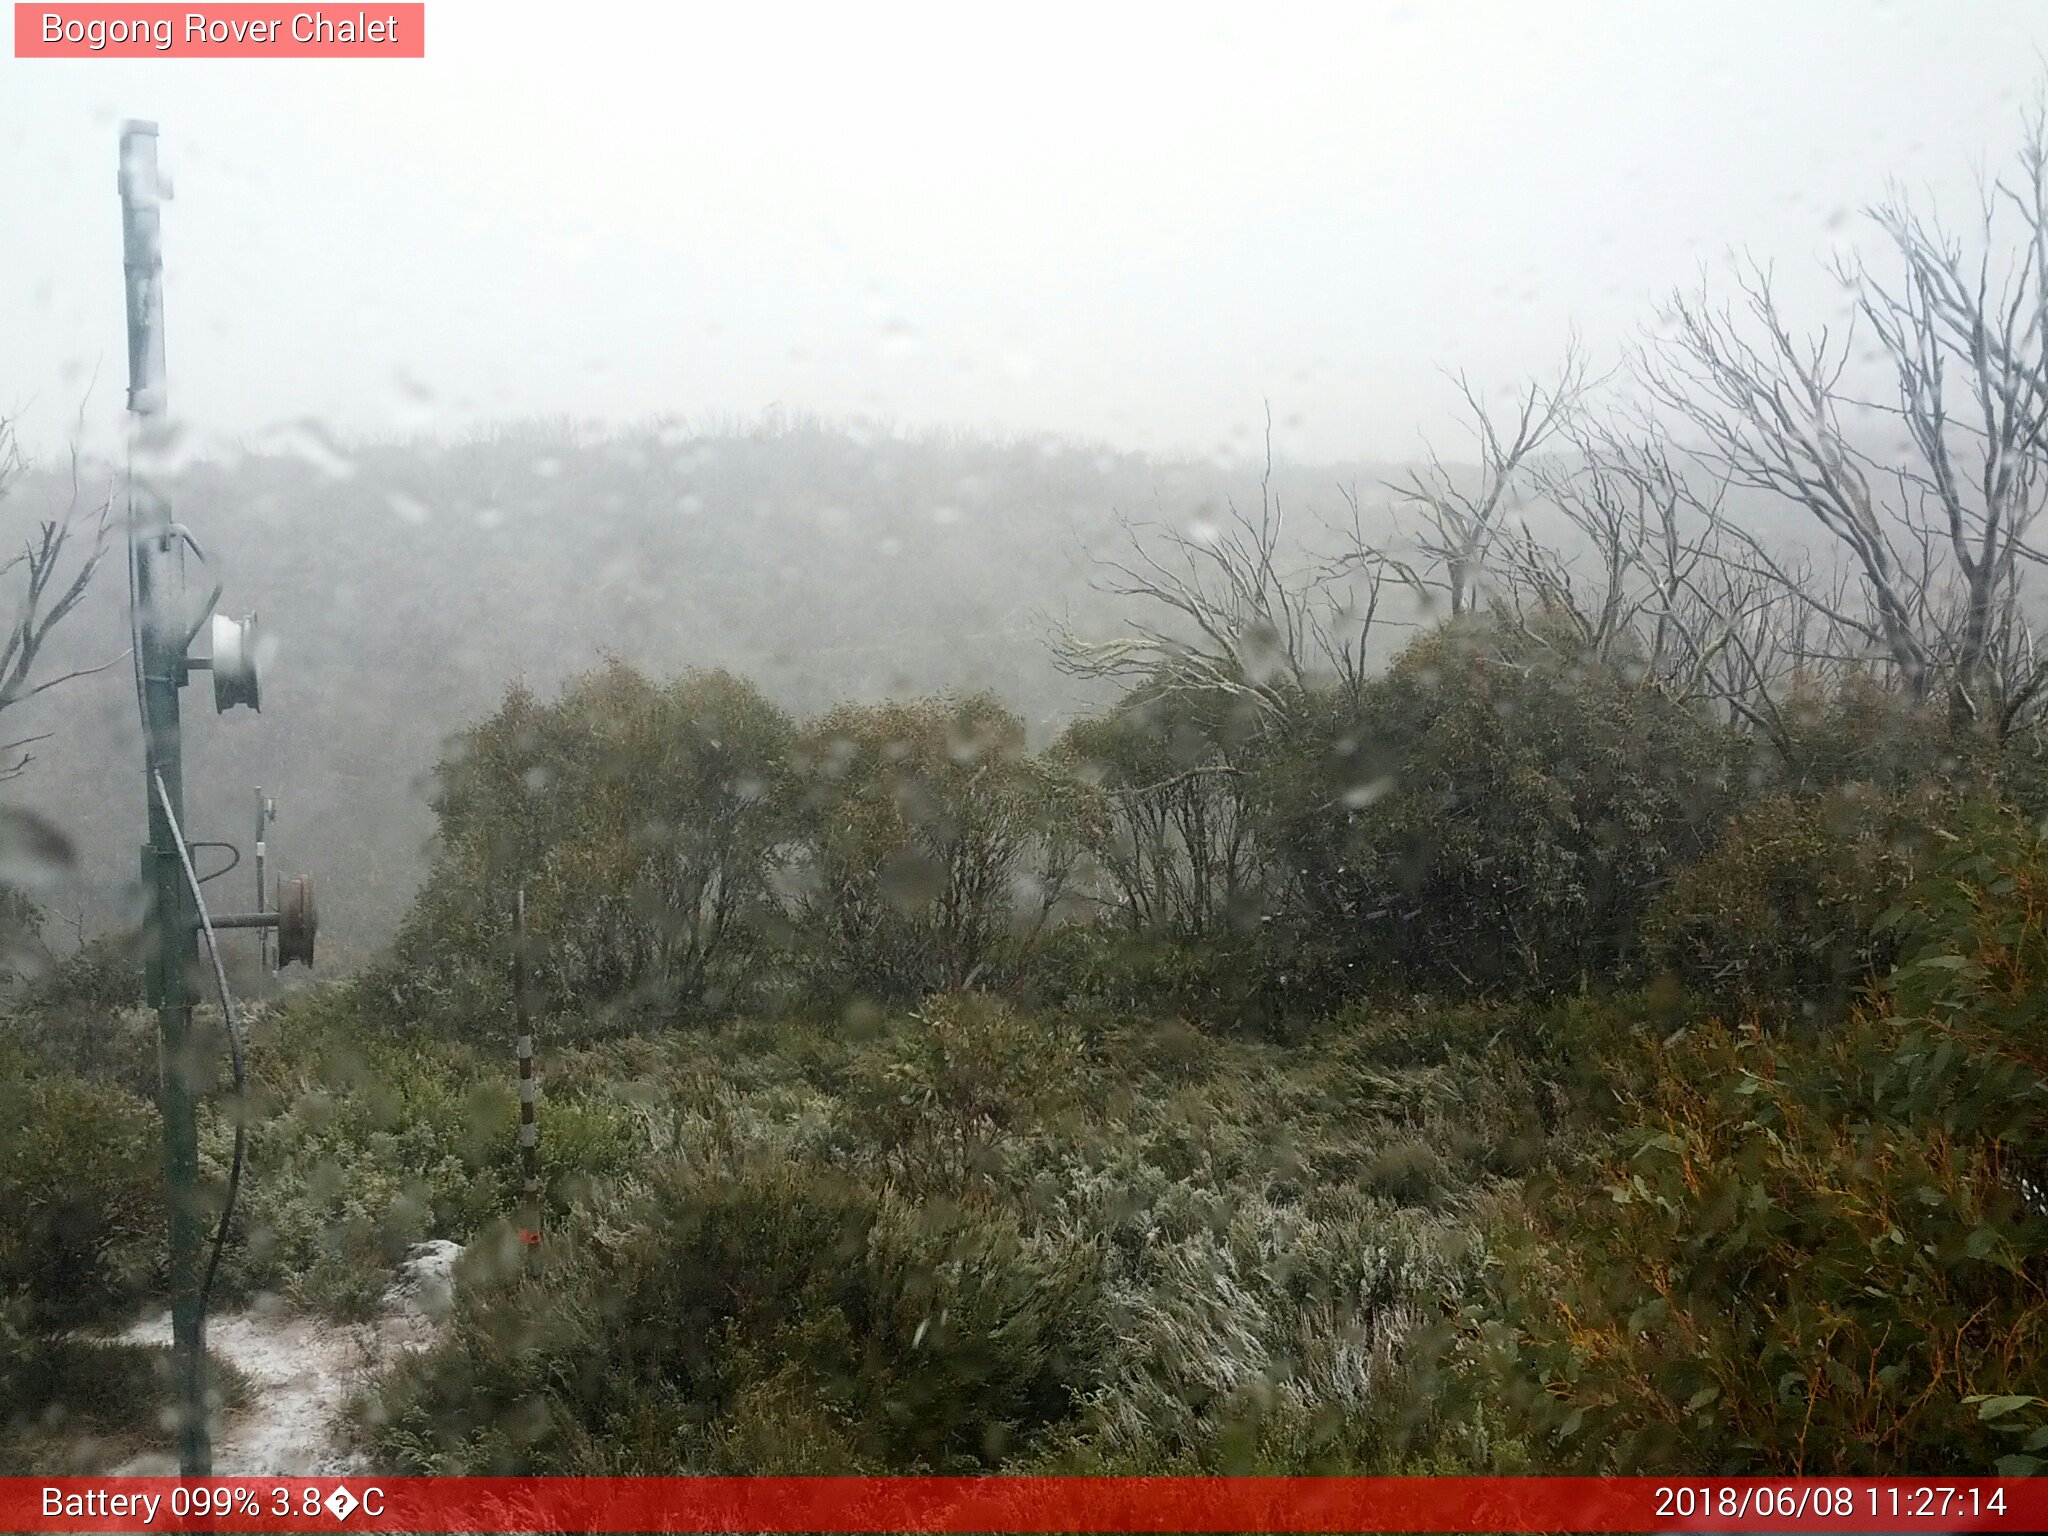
[529, 1128]
[160, 640]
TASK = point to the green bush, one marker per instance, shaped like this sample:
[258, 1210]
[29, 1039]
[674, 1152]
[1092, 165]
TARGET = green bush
[933, 847]
[1820, 1255]
[81, 1183]
[1408, 1172]
[74, 1381]
[1105, 970]
[103, 975]
[1782, 917]
[1161, 809]
[762, 1317]
[115, 1047]
[365, 1149]
[68, 1400]
[1862, 733]
[965, 1072]
[642, 821]
[1490, 813]
[1441, 1102]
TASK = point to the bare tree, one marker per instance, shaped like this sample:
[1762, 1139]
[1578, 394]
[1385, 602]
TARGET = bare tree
[1235, 616]
[1629, 594]
[1663, 584]
[1228, 632]
[1938, 535]
[1161, 808]
[49, 575]
[1970, 344]
[1462, 516]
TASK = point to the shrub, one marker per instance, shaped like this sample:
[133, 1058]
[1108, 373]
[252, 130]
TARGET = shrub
[1225, 981]
[78, 1381]
[81, 1182]
[1408, 1172]
[1439, 1102]
[1862, 733]
[103, 975]
[65, 1397]
[1253, 1337]
[1492, 812]
[1821, 1256]
[369, 1149]
[965, 1072]
[116, 1047]
[685, 1326]
[641, 820]
[1165, 818]
[1783, 914]
[931, 846]
[61, 1386]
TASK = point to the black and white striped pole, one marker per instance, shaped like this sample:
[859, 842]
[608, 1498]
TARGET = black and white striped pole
[529, 1126]
[266, 813]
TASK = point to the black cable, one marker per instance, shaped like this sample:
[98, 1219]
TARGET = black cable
[227, 1004]
[227, 1009]
[231, 865]
[135, 629]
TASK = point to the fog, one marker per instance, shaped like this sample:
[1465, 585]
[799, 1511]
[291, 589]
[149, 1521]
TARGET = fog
[825, 345]
[1061, 740]
[1135, 225]
[821, 563]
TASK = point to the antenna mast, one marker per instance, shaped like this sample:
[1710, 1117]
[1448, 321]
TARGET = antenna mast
[160, 644]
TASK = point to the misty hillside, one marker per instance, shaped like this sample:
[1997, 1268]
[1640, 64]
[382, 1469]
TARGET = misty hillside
[406, 585]
[904, 893]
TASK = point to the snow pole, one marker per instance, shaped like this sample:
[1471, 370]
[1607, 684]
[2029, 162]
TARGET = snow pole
[529, 1127]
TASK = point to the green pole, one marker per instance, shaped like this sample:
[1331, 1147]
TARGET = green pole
[161, 643]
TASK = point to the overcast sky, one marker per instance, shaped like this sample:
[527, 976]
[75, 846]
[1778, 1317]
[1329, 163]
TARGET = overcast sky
[1128, 222]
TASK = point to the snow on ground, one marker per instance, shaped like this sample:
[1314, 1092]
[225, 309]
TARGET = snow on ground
[302, 1372]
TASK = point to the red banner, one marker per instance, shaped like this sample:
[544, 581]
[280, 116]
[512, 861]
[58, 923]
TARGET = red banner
[235, 31]
[1034, 1504]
